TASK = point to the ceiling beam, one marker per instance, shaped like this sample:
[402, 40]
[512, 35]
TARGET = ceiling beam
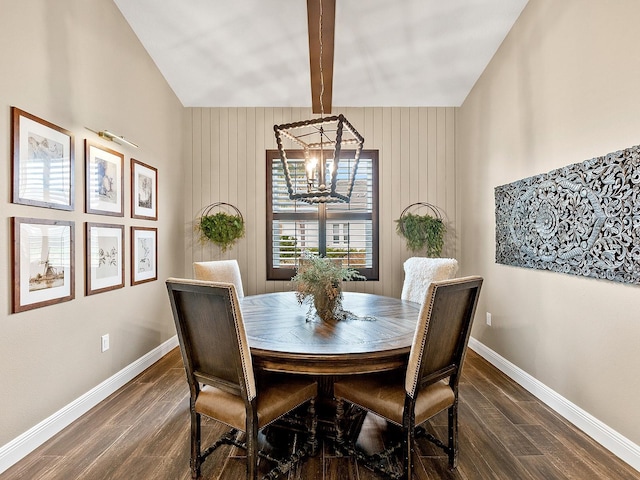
[324, 75]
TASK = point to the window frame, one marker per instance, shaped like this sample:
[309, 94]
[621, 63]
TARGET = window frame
[323, 218]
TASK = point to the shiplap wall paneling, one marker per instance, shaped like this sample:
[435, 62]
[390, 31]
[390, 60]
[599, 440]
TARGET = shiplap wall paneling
[195, 188]
[188, 180]
[451, 245]
[375, 128]
[226, 163]
[251, 165]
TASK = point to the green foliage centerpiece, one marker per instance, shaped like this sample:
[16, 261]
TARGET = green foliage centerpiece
[318, 282]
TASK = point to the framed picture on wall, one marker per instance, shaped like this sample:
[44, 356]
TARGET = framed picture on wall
[104, 182]
[144, 191]
[43, 158]
[144, 255]
[43, 263]
[104, 262]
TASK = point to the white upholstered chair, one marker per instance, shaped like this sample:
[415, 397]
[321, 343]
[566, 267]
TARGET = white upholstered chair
[420, 272]
[227, 271]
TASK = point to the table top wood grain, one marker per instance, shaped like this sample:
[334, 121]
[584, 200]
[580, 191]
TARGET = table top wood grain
[281, 338]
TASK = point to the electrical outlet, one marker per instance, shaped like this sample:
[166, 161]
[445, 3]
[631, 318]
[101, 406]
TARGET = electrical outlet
[105, 342]
[488, 319]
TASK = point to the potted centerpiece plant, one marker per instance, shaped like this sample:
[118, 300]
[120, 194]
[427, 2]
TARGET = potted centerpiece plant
[221, 228]
[318, 282]
[422, 232]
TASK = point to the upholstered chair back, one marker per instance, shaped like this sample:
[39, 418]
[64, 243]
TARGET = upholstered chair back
[227, 271]
[419, 272]
[442, 332]
[212, 337]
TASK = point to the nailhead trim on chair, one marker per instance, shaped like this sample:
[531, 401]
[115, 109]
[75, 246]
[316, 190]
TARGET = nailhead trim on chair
[247, 365]
[411, 381]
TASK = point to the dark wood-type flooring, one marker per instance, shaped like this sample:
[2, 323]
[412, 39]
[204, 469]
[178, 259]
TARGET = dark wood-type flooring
[142, 432]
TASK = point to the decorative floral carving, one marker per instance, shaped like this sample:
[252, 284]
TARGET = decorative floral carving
[583, 219]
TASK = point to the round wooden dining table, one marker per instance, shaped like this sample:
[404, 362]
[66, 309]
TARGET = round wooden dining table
[376, 337]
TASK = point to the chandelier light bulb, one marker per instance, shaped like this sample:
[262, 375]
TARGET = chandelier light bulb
[312, 164]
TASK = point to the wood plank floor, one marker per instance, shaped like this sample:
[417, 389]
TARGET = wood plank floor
[142, 432]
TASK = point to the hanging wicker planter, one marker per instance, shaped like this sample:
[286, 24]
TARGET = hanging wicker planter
[422, 232]
[221, 228]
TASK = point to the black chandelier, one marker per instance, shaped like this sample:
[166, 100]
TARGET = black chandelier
[321, 140]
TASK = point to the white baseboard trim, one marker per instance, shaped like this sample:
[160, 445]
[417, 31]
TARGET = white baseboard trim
[619, 445]
[24, 444]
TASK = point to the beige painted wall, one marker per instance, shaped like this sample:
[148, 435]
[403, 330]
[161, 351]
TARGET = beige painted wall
[227, 150]
[77, 63]
[563, 88]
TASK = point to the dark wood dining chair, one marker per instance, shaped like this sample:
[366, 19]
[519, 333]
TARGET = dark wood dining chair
[221, 379]
[430, 384]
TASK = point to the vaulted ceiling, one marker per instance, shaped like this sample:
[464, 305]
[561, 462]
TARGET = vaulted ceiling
[216, 53]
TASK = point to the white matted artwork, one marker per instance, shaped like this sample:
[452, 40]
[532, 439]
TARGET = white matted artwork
[104, 257]
[104, 183]
[144, 254]
[43, 157]
[144, 191]
[43, 263]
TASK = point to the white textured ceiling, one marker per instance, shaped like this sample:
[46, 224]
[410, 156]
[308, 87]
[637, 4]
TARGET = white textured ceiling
[235, 53]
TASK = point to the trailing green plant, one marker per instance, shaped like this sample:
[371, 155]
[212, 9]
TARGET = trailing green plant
[221, 228]
[318, 282]
[422, 232]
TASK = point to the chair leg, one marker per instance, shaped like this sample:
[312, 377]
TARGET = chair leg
[453, 435]
[312, 415]
[195, 444]
[339, 425]
[252, 452]
[408, 454]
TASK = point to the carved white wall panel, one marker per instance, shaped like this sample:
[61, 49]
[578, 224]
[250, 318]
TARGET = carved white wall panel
[583, 219]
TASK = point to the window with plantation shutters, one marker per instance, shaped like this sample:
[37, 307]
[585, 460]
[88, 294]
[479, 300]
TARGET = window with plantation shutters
[338, 230]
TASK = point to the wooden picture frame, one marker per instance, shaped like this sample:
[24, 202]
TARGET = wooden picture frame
[43, 263]
[144, 191]
[144, 255]
[104, 257]
[43, 162]
[104, 180]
